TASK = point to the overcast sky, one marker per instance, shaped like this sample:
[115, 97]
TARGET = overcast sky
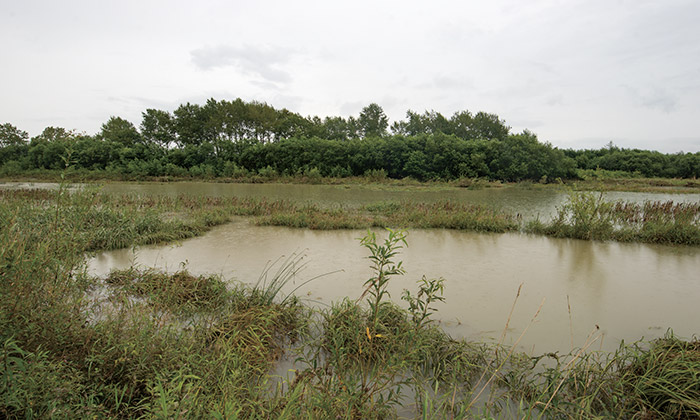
[579, 74]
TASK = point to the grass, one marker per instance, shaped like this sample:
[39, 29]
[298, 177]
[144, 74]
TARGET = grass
[602, 180]
[588, 216]
[147, 344]
[585, 180]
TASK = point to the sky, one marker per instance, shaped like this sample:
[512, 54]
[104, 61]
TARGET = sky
[579, 74]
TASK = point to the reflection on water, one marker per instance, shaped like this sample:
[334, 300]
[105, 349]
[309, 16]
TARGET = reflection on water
[629, 290]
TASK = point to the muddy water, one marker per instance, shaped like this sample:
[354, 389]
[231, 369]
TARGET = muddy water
[628, 290]
[528, 202]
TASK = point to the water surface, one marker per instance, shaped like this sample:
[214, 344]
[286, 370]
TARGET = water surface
[629, 291]
[530, 203]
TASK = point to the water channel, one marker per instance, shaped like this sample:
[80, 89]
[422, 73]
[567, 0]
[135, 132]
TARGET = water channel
[620, 291]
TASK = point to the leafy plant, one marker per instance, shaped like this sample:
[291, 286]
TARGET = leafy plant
[429, 291]
[383, 266]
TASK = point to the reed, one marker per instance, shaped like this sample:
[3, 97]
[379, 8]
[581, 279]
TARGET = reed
[587, 216]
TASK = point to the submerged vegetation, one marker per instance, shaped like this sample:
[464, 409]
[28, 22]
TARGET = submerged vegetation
[147, 344]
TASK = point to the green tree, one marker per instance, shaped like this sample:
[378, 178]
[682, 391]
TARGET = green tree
[489, 126]
[55, 134]
[12, 136]
[48, 149]
[372, 121]
[480, 126]
[191, 125]
[158, 127]
[121, 131]
[335, 128]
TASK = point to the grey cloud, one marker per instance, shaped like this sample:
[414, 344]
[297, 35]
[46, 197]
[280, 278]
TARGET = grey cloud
[660, 100]
[264, 62]
[653, 97]
[290, 102]
[264, 84]
[555, 100]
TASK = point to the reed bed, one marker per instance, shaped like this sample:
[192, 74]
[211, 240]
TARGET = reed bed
[588, 216]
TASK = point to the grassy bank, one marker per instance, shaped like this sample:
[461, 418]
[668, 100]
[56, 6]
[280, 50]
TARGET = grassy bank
[586, 180]
[147, 344]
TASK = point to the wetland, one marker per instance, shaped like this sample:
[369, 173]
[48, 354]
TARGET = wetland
[171, 293]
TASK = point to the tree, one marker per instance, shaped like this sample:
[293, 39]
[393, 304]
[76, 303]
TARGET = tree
[489, 126]
[462, 125]
[54, 134]
[372, 121]
[412, 126]
[261, 118]
[158, 127]
[191, 125]
[50, 148]
[121, 131]
[12, 136]
[480, 126]
[335, 128]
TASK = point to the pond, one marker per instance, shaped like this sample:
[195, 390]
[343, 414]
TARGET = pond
[628, 291]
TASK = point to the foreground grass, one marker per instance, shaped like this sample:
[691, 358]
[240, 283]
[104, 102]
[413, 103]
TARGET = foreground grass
[147, 344]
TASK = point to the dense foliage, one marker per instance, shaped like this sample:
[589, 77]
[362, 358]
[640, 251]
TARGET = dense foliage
[238, 139]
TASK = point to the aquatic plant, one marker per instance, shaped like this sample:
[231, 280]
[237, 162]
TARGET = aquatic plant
[588, 216]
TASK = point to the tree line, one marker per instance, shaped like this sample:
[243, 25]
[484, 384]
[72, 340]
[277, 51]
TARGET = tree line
[238, 138]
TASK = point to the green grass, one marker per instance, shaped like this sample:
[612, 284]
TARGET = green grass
[588, 216]
[585, 180]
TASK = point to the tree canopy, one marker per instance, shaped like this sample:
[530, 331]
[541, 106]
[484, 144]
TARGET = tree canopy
[232, 138]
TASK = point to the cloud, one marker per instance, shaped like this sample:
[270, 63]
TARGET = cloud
[660, 99]
[654, 98]
[555, 100]
[263, 62]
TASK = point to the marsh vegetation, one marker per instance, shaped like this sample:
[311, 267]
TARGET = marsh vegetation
[145, 343]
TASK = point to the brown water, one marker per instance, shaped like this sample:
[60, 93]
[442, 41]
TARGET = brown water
[528, 202]
[629, 290]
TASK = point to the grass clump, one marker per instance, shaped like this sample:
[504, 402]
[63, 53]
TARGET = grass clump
[180, 291]
[588, 216]
[149, 344]
[663, 381]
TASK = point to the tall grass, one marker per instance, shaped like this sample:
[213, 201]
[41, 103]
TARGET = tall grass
[588, 216]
